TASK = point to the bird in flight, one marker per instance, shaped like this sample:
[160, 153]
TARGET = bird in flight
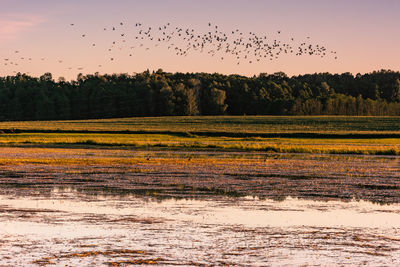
[231, 46]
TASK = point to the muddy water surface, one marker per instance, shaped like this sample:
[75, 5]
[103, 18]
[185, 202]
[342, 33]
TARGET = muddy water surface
[72, 228]
[197, 209]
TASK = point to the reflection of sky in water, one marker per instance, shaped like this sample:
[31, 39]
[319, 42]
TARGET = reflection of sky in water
[182, 225]
[249, 212]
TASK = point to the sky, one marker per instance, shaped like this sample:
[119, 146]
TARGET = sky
[37, 36]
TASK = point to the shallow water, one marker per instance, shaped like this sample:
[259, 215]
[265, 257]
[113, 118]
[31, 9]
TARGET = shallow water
[69, 227]
[202, 174]
[197, 208]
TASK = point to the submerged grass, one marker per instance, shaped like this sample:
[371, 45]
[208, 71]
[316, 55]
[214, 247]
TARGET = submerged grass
[108, 253]
[166, 174]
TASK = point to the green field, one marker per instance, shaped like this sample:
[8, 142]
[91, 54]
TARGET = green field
[227, 124]
[332, 135]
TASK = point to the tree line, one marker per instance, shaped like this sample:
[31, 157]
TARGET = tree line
[159, 93]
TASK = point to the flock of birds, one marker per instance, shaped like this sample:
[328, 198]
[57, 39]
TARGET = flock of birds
[238, 46]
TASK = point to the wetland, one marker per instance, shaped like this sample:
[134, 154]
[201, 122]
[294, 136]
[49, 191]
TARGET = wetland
[77, 203]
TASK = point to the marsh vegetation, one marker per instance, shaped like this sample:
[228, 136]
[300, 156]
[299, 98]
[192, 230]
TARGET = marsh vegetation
[200, 191]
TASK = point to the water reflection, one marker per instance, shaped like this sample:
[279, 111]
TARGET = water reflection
[171, 174]
[248, 211]
[248, 231]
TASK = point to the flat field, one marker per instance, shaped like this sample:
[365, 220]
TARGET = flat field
[225, 124]
[330, 135]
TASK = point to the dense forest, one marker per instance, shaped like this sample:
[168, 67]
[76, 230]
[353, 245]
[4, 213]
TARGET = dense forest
[162, 94]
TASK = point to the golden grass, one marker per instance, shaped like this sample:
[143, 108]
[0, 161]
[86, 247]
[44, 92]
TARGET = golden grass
[108, 161]
[218, 133]
[377, 146]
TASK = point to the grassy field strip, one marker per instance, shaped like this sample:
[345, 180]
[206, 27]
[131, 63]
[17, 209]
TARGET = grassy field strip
[320, 134]
[231, 124]
[389, 146]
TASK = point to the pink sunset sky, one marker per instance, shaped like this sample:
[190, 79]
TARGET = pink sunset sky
[37, 36]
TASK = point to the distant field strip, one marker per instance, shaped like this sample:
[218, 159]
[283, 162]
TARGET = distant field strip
[379, 146]
[322, 134]
[224, 124]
